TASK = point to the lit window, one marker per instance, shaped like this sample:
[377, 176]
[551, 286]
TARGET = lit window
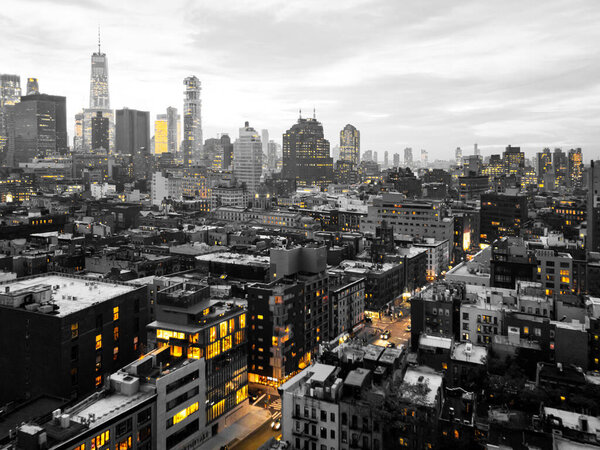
[115, 353]
[176, 350]
[74, 330]
[98, 380]
[116, 313]
[223, 329]
[213, 334]
[100, 440]
[231, 325]
[194, 353]
[260, 317]
[241, 395]
[243, 321]
[181, 415]
[116, 333]
[227, 343]
[98, 342]
[525, 330]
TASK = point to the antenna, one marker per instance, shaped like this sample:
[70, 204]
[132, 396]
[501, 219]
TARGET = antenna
[314, 113]
[98, 39]
[300, 112]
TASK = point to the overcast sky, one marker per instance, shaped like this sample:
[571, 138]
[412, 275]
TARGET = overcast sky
[425, 74]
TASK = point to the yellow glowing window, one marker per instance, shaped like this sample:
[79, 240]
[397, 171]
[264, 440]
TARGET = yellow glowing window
[193, 338]
[115, 353]
[231, 325]
[213, 350]
[239, 337]
[194, 353]
[243, 321]
[260, 317]
[525, 330]
[275, 340]
[181, 415]
[80, 447]
[167, 334]
[565, 279]
[444, 366]
[116, 333]
[223, 329]
[116, 313]
[213, 334]
[176, 350]
[227, 343]
[98, 342]
[241, 395]
[98, 380]
[100, 440]
[74, 330]
[125, 444]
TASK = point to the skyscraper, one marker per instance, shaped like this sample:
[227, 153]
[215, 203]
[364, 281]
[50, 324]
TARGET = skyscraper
[375, 157]
[408, 156]
[100, 132]
[306, 156]
[99, 100]
[32, 86]
[560, 163]
[476, 150]
[161, 133]
[544, 165]
[575, 168]
[272, 155]
[37, 127]
[396, 160]
[592, 241]
[227, 150]
[192, 121]
[514, 160]
[132, 131]
[264, 134]
[99, 95]
[78, 136]
[458, 156]
[350, 144]
[247, 157]
[10, 93]
[424, 157]
[385, 159]
[173, 130]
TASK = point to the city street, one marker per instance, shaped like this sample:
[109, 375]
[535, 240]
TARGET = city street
[398, 331]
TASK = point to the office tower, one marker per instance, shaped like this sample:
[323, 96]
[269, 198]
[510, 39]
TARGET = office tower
[132, 130]
[306, 154]
[472, 165]
[100, 132]
[592, 243]
[476, 150]
[161, 134]
[368, 155]
[192, 121]
[458, 156]
[424, 157]
[350, 144]
[335, 153]
[396, 160]
[37, 127]
[543, 164]
[213, 154]
[575, 168]
[173, 130]
[386, 160]
[227, 151]
[78, 136]
[272, 155]
[247, 158]
[10, 93]
[501, 215]
[32, 86]
[265, 142]
[375, 157]
[99, 94]
[560, 163]
[514, 160]
[408, 156]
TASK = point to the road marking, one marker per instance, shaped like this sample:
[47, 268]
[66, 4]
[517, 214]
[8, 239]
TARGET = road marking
[259, 399]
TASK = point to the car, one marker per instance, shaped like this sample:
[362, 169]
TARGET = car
[391, 345]
[385, 335]
[368, 320]
[254, 395]
[408, 328]
[276, 425]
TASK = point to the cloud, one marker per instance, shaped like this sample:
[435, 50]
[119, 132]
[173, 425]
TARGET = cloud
[430, 75]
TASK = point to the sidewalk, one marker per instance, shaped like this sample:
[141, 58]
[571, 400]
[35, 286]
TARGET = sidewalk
[238, 430]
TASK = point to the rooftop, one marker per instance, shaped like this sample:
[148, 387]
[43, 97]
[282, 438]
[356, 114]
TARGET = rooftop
[421, 386]
[69, 294]
[235, 258]
[435, 341]
[467, 352]
[572, 419]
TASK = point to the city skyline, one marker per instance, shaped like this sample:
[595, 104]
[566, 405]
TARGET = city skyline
[444, 76]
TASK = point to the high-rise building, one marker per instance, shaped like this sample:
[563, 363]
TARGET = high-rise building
[37, 127]
[424, 157]
[272, 155]
[386, 159]
[306, 154]
[173, 130]
[99, 94]
[575, 168]
[227, 151]
[476, 150]
[544, 165]
[514, 160]
[408, 156]
[78, 137]
[350, 144]
[458, 156]
[10, 93]
[396, 160]
[560, 164]
[368, 155]
[375, 157]
[32, 86]
[100, 132]
[502, 215]
[161, 134]
[264, 134]
[192, 120]
[247, 157]
[132, 131]
[592, 243]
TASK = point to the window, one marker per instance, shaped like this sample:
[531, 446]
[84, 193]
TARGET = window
[465, 316]
[99, 321]
[223, 329]
[98, 342]
[116, 313]
[231, 325]
[98, 380]
[74, 330]
[115, 353]
[100, 440]
[125, 444]
[144, 416]
[323, 416]
[181, 415]
[243, 321]
[332, 417]
[213, 334]
[525, 330]
[332, 434]
[124, 427]
[74, 353]
[116, 333]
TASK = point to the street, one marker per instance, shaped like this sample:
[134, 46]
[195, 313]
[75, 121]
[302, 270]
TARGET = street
[398, 331]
